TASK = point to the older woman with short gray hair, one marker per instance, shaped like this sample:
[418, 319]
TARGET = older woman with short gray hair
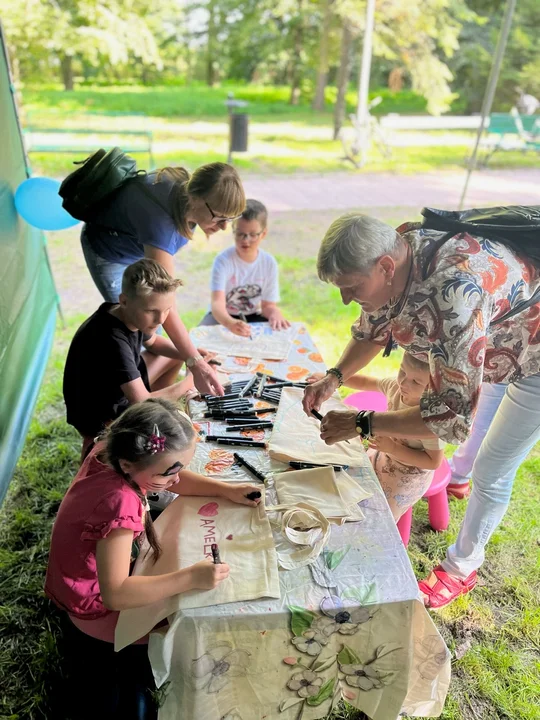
[447, 299]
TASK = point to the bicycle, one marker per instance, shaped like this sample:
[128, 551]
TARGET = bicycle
[352, 147]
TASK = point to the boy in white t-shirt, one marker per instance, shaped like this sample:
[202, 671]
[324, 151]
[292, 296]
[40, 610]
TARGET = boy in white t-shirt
[405, 466]
[245, 281]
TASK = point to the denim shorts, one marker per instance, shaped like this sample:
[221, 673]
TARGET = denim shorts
[107, 275]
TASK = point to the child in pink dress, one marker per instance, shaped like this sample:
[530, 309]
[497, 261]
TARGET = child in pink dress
[405, 468]
[99, 524]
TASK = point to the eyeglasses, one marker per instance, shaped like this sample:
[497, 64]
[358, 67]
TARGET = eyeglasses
[220, 218]
[248, 236]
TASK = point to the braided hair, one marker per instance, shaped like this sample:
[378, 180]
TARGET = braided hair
[128, 438]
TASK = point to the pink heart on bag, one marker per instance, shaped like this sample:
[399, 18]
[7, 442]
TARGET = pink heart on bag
[209, 510]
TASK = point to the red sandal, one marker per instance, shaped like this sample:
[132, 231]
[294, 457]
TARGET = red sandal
[440, 588]
[458, 490]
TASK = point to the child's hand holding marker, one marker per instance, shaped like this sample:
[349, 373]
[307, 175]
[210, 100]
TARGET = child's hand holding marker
[239, 327]
[208, 574]
[244, 320]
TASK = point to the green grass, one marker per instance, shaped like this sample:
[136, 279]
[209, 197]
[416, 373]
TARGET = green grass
[495, 631]
[405, 161]
[189, 126]
[199, 101]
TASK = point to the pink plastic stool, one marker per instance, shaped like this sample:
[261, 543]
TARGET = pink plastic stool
[368, 400]
[438, 511]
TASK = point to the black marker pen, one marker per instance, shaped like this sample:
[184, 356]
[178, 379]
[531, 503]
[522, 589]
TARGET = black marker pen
[240, 460]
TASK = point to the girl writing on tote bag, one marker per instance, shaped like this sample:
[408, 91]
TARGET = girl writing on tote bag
[94, 540]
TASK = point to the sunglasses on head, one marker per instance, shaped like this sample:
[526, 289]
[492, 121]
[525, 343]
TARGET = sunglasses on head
[220, 218]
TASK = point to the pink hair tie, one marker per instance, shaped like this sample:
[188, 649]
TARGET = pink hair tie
[155, 442]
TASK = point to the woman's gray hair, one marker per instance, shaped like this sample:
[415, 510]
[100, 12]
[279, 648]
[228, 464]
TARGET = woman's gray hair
[353, 243]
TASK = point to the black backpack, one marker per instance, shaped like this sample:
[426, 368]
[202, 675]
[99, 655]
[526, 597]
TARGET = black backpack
[516, 226]
[83, 190]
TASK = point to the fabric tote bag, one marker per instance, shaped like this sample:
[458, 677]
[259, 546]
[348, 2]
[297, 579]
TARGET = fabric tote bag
[186, 529]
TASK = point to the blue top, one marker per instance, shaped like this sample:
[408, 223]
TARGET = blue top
[130, 220]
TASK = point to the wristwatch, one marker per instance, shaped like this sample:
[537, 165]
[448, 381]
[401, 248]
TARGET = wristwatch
[193, 360]
[363, 423]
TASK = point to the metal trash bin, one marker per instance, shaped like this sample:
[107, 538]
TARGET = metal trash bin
[238, 126]
[238, 132]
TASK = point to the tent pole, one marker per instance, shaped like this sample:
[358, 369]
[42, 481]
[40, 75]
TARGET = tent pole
[362, 129]
[490, 90]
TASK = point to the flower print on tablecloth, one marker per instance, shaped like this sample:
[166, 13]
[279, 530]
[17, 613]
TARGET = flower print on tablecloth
[305, 683]
[214, 669]
[310, 642]
[327, 669]
[340, 619]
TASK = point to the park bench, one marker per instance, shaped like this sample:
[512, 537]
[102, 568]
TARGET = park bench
[79, 141]
[512, 131]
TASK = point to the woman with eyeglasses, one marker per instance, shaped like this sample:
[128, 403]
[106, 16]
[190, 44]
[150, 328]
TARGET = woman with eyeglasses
[153, 217]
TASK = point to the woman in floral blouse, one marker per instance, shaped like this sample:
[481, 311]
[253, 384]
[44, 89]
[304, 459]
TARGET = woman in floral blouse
[445, 300]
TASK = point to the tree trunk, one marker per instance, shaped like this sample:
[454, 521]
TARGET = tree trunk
[395, 79]
[210, 48]
[344, 75]
[322, 73]
[145, 74]
[66, 66]
[296, 60]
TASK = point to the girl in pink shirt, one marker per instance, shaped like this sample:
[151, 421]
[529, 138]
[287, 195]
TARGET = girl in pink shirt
[94, 540]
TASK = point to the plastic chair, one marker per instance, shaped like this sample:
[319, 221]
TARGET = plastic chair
[438, 511]
[368, 400]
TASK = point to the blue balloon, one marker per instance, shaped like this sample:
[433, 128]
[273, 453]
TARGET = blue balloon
[37, 201]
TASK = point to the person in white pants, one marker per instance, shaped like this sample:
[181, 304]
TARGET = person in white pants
[462, 461]
[470, 308]
[514, 430]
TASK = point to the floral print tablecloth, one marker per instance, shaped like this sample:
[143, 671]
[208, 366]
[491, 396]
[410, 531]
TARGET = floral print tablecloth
[350, 626]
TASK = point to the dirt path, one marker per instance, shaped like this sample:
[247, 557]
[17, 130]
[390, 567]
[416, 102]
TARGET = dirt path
[340, 191]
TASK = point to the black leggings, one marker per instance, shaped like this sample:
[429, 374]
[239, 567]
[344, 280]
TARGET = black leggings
[105, 684]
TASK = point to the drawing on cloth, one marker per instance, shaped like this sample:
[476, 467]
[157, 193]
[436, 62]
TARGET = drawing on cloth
[264, 344]
[214, 669]
[297, 437]
[219, 460]
[296, 373]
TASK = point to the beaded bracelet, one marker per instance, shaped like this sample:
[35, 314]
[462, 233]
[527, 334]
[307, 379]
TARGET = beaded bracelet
[336, 372]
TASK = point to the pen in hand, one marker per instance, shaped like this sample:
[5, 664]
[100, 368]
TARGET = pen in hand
[215, 554]
[319, 417]
[244, 319]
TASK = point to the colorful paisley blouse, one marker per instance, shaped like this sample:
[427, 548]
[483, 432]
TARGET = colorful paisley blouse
[446, 321]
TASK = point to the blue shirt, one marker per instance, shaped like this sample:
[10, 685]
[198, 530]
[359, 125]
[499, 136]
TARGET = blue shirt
[130, 219]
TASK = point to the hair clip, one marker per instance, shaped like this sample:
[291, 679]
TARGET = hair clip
[156, 442]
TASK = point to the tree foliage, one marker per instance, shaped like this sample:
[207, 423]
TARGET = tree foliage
[441, 49]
